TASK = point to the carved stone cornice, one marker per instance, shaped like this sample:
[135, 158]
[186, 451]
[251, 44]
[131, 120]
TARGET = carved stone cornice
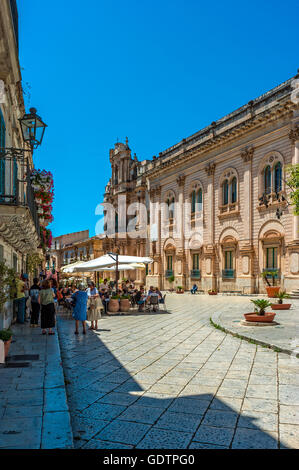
[247, 154]
[294, 134]
[181, 180]
[210, 169]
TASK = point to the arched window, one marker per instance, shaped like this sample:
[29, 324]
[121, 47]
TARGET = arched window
[225, 192]
[267, 180]
[193, 201]
[199, 199]
[234, 190]
[116, 175]
[170, 204]
[278, 177]
[196, 200]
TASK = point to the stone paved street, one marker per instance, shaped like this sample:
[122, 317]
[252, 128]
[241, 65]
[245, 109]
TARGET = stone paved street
[33, 407]
[171, 380]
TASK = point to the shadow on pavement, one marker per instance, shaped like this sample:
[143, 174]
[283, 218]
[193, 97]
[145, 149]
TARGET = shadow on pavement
[113, 408]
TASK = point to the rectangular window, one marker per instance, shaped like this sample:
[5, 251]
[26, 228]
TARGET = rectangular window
[196, 261]
[1, 253]
[271, 261]
[228, 260]
[15, 262]
[169, 263]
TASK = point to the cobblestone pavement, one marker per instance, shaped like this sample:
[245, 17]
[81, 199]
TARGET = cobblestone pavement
[170, 380]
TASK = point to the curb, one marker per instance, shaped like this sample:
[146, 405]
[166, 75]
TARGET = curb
[215, 322]
[57, 431]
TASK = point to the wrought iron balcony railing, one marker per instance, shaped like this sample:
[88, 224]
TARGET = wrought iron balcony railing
[15, 185]
[228, 273]
[195, 274]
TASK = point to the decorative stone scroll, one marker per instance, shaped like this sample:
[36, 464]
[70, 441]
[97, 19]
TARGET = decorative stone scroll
[181, 180]
[294, 134]
[247, 154]
[210, 169]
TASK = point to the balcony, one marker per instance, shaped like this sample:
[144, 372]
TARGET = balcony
[195, 274]
[19, 222]
[168, 273]
[228, 273]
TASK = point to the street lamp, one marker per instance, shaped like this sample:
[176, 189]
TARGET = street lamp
[33, 128]
[116, 267]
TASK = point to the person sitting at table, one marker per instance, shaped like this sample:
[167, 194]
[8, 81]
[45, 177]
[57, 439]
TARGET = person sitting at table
[105, 285]
[154, 293]
[151, 289]
[194, 289]
[140, 299]
[104, 298]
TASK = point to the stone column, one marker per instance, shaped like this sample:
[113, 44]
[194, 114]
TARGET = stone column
[294, 137]
[210, 248]
[180, 232]
[247, 155]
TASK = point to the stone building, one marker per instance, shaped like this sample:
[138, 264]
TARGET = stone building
[19, 219]
[228, 181]
[71, 247]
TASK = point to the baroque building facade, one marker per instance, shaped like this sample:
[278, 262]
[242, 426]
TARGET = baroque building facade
[232, 174]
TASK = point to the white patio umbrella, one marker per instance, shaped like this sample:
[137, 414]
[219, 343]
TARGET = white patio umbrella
[121, 267]
[107, 261]
[69, 268]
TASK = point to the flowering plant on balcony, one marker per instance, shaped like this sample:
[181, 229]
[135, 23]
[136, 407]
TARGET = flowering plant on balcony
[43, 186]
[41, 180]
[46, 237]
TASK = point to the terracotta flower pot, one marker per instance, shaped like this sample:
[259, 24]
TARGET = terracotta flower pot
[179, 291]
[212, 293]
[280, 306]
[272, 291]
[254, 317]
[6, 347]
[124, 305]
[113, 305]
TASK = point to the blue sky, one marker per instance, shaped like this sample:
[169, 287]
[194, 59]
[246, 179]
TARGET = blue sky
[155, 71]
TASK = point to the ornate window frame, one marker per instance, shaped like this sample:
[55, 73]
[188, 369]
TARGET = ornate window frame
[270, 160]
[170, 199]
[228, 176]
[196, 187]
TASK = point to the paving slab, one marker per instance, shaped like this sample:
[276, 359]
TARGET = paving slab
[174, 381]
[30, 395]
[280, 336]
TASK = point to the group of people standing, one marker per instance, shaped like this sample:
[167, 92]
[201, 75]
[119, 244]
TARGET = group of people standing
[39, 300]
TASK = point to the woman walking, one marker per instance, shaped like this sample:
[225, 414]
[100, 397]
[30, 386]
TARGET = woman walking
[80, 298]
[46, 300]
[94, 301]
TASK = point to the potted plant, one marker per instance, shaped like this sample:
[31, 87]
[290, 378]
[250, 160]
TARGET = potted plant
[171, 280]
[260, 314]
[179, 290]
[125, 303]
[113, 304]
[6, 337]
[271, 290]
[280, 305]
[212, 292]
